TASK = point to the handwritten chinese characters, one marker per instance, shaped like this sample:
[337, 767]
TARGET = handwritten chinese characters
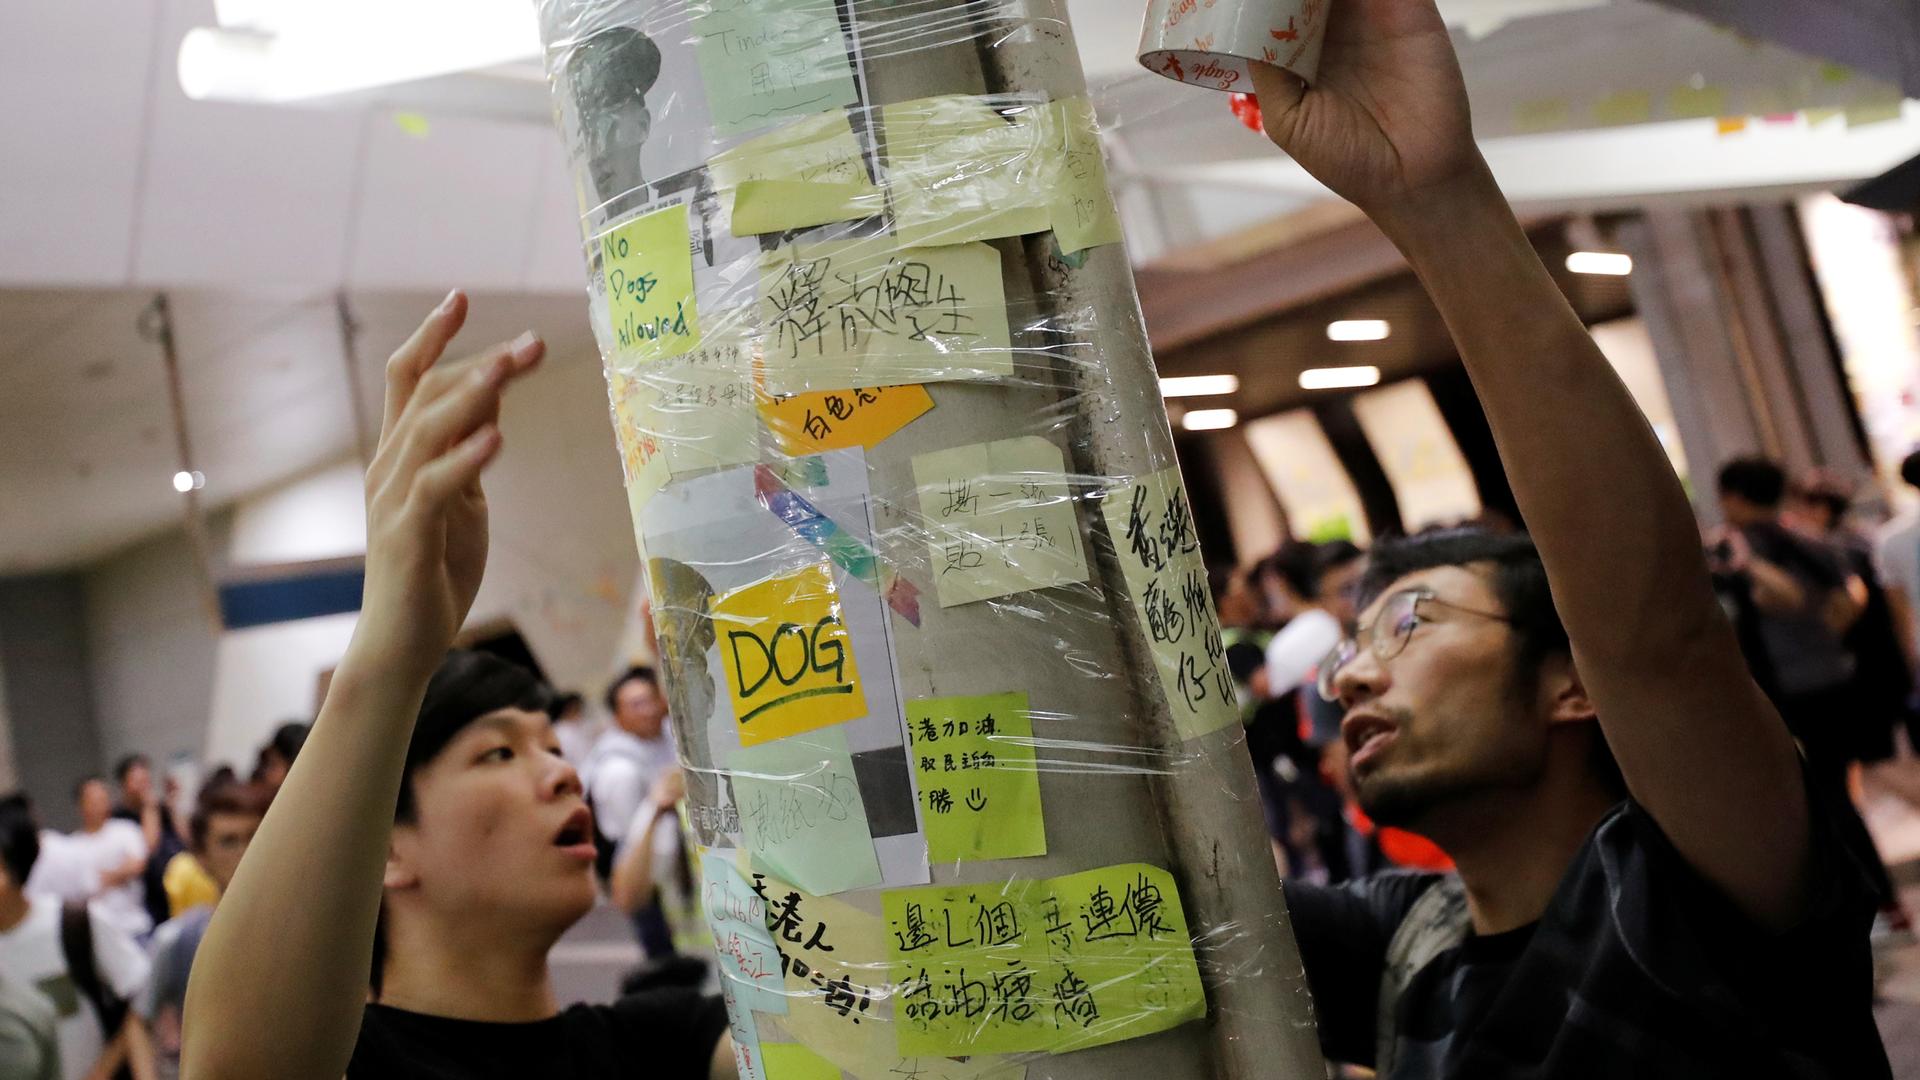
[999, 518]
[647, 265]
[836, 419]
[1058, 964]
[802, 815]
[864, 313]
[1083, 212]
[789, 662]
[749, 960]
[1153, 537]
[978, 778]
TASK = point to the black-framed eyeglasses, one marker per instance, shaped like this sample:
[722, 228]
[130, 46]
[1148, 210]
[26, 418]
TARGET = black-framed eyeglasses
[1386, 635]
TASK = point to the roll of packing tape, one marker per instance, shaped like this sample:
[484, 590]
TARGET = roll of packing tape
[1210, 42]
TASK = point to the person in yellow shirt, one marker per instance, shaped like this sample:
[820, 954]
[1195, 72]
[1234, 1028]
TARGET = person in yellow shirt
[188, 884]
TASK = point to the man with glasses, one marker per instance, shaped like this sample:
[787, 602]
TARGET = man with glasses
[1647, 884]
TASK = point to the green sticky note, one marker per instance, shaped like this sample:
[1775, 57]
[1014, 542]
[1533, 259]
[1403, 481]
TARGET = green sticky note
[1696, 103]
[1547, 114]
[764, 61]
[1151, 524]
[999, 519]
[1055, 965]
[855, 313]
[960, 171]
[1868, 113]
[979, 781]
[764, 206]
[806, 173]
[1083, 212]
[702, 408]
[792, 1061]
[1629, 107]
[801, 813]
[647, 265]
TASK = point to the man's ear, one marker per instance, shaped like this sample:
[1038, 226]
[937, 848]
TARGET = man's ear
[400, 874]
[1563, 697]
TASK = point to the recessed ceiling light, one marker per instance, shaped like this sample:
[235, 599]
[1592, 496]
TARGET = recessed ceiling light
[184, 481]
[1210, 420]
[1339, 378]
[1606, 263]
[1359, 330]
[1186, 386]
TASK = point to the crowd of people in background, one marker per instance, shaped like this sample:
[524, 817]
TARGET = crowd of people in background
[1825, 599]
[99, 926]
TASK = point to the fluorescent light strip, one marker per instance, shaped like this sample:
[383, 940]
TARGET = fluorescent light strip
[1187, 386]
[1210, 420]
[1359, 330]
[1339, 378]
[1605, 263]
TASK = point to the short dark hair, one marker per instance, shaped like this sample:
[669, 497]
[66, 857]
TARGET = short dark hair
[468, 686]
[1910, 469]
[636, 673]
[288, 738]
[232, 798]
[1520, 584]
[1331, 556]
[128, 764]
[19, 838]
[1295, 563]
[562, 702]
[80, 785]
[1755, 479]
[612, 66]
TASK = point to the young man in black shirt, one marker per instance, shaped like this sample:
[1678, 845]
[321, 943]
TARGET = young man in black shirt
[430, 840]
[1710, 923]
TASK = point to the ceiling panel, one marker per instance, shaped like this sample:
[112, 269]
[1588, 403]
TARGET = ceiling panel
[241, 193]
[453, 204]
[74, 78]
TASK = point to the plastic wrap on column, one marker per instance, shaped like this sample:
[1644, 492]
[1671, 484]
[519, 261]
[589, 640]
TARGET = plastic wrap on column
[966, 781]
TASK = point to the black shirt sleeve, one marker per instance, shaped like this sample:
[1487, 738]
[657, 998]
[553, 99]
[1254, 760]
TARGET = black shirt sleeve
[1344, 931]
[673, 1031]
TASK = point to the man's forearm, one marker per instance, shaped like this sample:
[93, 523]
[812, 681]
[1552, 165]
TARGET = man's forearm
[1611, 520]
[307, 895]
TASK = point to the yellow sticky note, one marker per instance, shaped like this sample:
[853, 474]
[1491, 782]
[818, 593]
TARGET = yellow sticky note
[1548, 114]
[792, 1061]
[643, 456]
[1628, 107]
[959, 170]
[648, 269]
[1696, 103]
[1731, 125]
[854, 313]
[1152, 529]
[978, 778]
[701, 409]
[999, 517]
[1058, 965]
[1868, 113]
[1083, 212]
[837, 419]
[788, 658]
[836, 990]
[807, 173]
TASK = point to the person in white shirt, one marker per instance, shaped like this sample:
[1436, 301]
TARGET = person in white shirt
[576, 731]
[116, 851]
[1898, 553]
[1321, 584]
[35, 943]
[627, 761]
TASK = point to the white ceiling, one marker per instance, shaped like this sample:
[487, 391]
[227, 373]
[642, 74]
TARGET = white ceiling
[114, 185]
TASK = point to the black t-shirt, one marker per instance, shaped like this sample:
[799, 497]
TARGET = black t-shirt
[1639, 968]
[661, 1034]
